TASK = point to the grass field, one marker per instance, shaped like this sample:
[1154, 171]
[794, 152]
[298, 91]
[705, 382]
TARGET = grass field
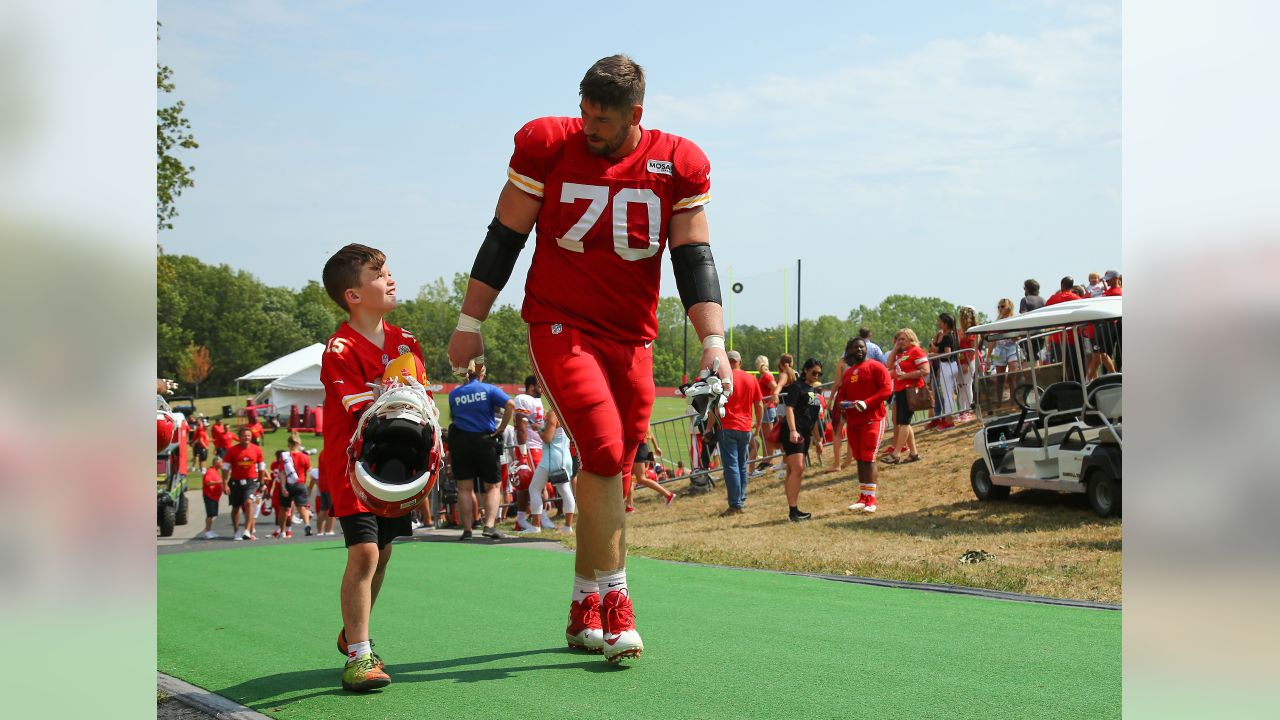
[1042, 543]
[474, 630]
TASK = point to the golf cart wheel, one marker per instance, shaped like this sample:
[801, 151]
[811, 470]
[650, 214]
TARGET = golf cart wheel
[983, 488]
[180, 517]
[166, 520]
[1103, 491]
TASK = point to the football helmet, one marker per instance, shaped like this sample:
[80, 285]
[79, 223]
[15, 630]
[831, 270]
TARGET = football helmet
[524, 477]
[396, 450]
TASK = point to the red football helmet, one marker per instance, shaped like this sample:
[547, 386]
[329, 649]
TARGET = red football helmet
[166, 430]
[524, 477]
[396, 449]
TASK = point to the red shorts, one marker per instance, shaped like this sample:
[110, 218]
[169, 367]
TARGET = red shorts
[601, 388]
[864, 440]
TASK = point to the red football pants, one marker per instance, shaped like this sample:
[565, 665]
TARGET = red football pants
[601, 388]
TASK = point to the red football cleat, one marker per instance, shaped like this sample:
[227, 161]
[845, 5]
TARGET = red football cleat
[619, 624]
[584, 631]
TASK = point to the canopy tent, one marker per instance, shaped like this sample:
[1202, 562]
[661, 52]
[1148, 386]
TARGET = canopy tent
[288, 364]
[301, 388]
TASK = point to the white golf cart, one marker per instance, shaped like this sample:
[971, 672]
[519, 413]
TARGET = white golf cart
[1041, 426]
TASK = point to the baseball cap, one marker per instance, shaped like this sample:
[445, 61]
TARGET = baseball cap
[1110, 275]
[735, 355]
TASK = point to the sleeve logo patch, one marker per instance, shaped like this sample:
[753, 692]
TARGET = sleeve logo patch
[663, 167]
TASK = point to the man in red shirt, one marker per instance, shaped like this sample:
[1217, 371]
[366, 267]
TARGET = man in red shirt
[248, 471]
[606, 197]
[201, 442]
[357, 279]
[736, 428]
[865, 387]
[215, 486]
[1071, 359]
[1112, 279]
[223, 438]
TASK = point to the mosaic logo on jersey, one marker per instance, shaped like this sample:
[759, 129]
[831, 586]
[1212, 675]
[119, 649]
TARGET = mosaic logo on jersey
[661, 166]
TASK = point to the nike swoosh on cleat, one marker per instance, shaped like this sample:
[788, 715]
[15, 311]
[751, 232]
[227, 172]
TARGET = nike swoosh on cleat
[614, 584]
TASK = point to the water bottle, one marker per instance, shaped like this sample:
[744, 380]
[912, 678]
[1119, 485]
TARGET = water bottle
[846, 404]
[1003, 443]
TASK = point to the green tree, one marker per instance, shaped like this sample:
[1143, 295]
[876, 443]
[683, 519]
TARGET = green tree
[173, 132]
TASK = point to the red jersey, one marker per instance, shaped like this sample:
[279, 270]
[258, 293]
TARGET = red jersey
[912, 360]
[244, 461]
[202, 435]
[737, 412]
[767, 386]
[597, 261]
[256, 430]
[869, 382]
[301, 463]
[1112, 291]
[349, 361]
[1060, 297]
[212, 482]
[223, 438]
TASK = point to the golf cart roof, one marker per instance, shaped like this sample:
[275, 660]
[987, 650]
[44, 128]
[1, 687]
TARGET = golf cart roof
[1067, 313]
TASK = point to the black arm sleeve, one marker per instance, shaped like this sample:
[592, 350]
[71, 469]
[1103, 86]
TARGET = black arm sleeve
[497, 256]
[696, 276]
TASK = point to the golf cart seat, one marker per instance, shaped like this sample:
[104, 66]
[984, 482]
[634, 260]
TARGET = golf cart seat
[1059, 408]
[1106, 399]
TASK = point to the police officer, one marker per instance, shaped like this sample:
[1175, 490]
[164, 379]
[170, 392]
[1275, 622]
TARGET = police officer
[474, 446]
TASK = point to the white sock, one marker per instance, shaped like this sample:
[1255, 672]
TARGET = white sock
[582, 587]
[609, 580]
[355, 650]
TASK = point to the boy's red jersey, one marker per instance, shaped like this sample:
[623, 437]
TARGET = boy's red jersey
[348, 364]
[597, 263]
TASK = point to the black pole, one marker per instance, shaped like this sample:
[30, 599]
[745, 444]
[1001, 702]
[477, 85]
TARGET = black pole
[798, 355]
[684, 354]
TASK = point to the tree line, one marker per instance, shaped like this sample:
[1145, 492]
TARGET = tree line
[219, 322]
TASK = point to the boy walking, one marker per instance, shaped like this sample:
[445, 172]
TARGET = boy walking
[358, 280]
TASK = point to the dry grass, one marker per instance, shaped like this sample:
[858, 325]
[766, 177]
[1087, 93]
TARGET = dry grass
[1043, 543]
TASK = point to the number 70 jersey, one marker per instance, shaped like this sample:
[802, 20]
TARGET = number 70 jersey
[603, 225]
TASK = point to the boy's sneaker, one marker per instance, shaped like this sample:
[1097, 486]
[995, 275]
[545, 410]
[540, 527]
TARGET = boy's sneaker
[364, 674]
[466, 535]
[250, 536]
[584, 631]
[308, 531]
[799, 516]
[288, 533]
[862, 502]
[618, 623]
[492, 534]
[276, 533]
[871, 505]
[210, 535]
[670, 499]
[342, 647]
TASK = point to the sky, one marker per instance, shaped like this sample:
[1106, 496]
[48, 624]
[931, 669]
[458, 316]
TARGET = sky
[928, 148]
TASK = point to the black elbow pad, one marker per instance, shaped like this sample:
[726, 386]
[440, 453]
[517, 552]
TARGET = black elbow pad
[497, 256]
[696, 276]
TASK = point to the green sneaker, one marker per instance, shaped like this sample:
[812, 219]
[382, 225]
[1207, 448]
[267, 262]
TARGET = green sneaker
[363, 675]
[342, 648]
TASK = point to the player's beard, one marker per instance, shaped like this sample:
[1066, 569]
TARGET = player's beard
[611, 145]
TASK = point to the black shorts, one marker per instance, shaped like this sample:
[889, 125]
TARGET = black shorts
[220, 452]
[902, 411]
[295, 492]
[475, 456]
[643, 453]
[210, 506]
[202, 453]
[241, 490]
[790, 448]
[370, 528]
[324, 503]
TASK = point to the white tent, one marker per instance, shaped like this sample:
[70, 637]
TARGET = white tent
[294, 380]
[300, 388]
[287, 365]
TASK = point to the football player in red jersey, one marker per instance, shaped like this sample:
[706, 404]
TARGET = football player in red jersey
[356, 277]
[606, 197]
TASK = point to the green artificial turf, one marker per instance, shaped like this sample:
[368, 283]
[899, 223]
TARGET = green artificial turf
[475, 631]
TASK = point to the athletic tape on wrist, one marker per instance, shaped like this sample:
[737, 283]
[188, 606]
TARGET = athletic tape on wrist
[713, 341]
[466, 323]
